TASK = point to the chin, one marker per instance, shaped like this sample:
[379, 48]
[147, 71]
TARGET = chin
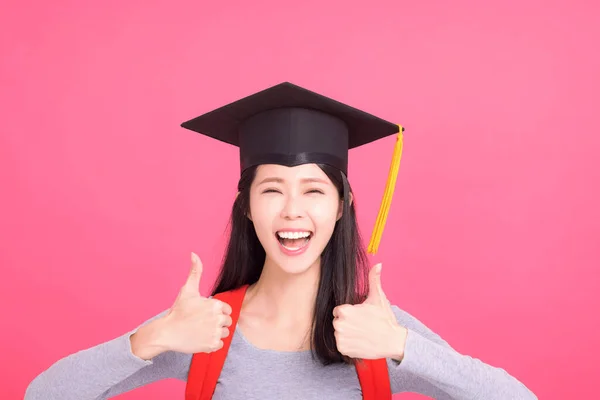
[297, 266]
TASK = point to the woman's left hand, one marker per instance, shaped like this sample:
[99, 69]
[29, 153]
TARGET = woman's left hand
[369, 330]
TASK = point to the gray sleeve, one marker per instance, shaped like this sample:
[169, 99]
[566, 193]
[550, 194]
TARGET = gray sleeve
[433, 368]
[104, 371]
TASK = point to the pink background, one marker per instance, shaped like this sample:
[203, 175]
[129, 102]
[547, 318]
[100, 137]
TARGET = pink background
[492, 240]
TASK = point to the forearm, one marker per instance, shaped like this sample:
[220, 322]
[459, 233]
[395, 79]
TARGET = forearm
[87, 374]
[460, 376]
[107, 369]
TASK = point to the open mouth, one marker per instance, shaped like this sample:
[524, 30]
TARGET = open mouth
[294, 241]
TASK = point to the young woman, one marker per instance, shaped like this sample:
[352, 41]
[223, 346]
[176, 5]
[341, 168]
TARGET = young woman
[296, 312]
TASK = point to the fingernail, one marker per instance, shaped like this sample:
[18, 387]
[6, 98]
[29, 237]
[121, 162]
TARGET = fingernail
[193, 257]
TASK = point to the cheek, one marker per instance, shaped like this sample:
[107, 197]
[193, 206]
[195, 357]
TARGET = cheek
[263, 212]
[324, 215]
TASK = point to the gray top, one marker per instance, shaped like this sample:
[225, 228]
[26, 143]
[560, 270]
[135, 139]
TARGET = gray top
[430, 367]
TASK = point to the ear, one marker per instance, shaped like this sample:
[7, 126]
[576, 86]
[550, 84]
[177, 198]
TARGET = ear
[248, 215]
[341, 207]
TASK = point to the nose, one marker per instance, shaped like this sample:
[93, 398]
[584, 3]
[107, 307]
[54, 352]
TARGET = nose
[292, 208]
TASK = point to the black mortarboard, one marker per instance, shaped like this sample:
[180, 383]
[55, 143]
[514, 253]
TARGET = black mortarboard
[290, 125]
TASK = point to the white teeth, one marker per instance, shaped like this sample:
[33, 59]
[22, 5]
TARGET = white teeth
[293, 235]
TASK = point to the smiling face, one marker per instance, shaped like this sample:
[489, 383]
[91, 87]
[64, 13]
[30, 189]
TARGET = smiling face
[294, 211]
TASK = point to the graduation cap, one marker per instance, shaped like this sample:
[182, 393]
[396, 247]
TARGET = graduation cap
[290, 125]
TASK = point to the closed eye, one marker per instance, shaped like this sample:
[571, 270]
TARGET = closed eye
[277, 191]
[271, 191]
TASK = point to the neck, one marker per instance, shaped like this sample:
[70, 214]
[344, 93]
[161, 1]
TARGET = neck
[286, 299]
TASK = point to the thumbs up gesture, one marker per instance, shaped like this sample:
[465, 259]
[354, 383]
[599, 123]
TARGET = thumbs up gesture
[193, 324]
[369, 330]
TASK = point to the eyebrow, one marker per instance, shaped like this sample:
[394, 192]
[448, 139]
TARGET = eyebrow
[305, 180]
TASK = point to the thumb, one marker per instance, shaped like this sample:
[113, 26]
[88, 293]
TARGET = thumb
[192, 283]
[376, 295]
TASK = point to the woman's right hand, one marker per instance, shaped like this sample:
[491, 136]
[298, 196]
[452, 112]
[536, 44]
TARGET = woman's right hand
[193, 324]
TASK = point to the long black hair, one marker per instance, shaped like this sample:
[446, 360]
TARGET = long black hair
[344, 264]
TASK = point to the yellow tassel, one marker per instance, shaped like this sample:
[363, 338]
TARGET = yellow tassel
[388, 194]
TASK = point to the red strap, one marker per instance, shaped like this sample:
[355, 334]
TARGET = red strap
[205, 368]
[374, 379]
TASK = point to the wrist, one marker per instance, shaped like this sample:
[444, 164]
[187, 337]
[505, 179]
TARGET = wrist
[398, 343]
[148, 341]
